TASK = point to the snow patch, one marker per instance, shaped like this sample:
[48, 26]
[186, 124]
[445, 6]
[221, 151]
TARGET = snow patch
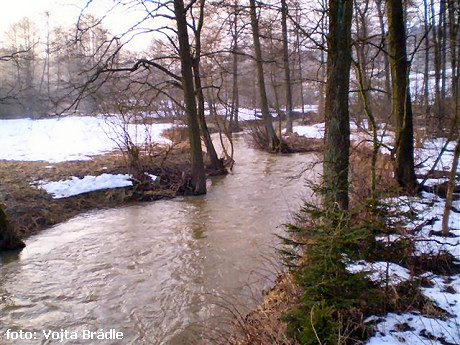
[312, 132]
[75, 186]
[415, 329]
[377, 271]
[152, 177]
[72, 137]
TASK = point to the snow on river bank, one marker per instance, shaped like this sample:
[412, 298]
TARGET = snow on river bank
[425, 154]
[75, 186]
[415, 327]
[71, 137]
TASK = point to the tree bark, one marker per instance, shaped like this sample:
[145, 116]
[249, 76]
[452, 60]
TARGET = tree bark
[362, 37]
[198, 178]
[8, 241]
[453, 37]
[450, 190]
[401, 101]
[299, 53]
[287, 71]
[443, 52]
[216, 163]
[386, 61]
[337, 131]
[437, 67]
[234, 124]
[273, 141]
[426, 74]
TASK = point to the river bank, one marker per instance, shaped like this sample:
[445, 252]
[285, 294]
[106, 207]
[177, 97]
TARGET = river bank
[160, 272]
[30, 208]
[55, 168]
[73, 153]
[407, 272]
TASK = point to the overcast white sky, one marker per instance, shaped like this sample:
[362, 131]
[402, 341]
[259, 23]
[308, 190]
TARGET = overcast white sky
[66, 12]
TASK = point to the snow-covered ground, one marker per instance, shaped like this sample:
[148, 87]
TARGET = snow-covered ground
[71, 137]
[315, 131]
[378, 271]
[307, 108]
[75, 186]
[244, 114]
[413, 327]
[425, 155]
[74, 138]
[247, 114]
[358, 134]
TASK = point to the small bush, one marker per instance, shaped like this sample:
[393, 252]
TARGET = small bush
[334, 302]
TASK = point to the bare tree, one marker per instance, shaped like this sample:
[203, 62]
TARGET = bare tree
[337, 131]
[273, 141]
[216, 163]
[287, 70]
[198, 180]
[454, 26]
[401, 100]
[235, 30]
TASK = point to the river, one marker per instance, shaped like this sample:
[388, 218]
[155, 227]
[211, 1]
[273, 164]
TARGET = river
[159, 272]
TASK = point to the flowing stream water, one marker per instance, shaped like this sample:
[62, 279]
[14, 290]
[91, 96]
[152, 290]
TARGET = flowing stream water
[160, 271]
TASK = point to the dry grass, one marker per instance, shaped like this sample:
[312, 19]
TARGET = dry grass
[263, 325]
[298, 143]
[360, 174]
[176, 134]
[30, 209]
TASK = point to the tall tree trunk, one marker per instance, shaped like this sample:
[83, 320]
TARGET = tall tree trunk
[273, 141]
[453, 37]
[8, 241]
[437, 67]
[443, 51]
[401, 102]
[362, 35]
[234, 121]
[426, 74]
[386, 61]
[275, 94]
[322, 71]
[234, 124]
[337, 133]
[287, 71]
[198, 180]
[299, 54]
[375, 143]
[216, 163]
[450, 189]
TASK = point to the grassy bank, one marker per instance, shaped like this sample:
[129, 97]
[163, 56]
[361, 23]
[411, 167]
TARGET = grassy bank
[30, 209]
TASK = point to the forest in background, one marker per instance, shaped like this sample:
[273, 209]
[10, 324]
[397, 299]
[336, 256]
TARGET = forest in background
[45, 70]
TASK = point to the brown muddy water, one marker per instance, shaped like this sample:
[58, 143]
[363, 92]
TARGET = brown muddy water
[158, 272]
